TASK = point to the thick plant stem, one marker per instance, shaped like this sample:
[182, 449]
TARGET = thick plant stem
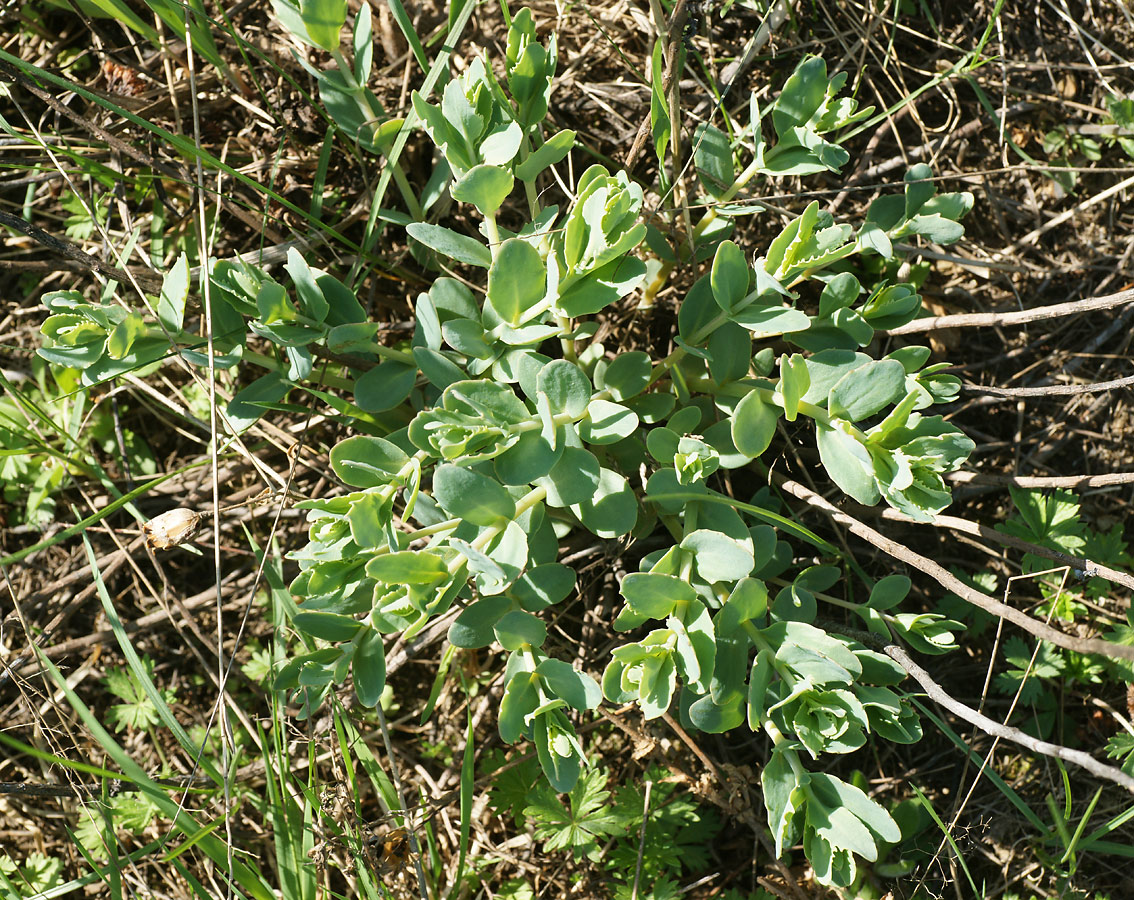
[493, 233]
[358, 92]
[686, 249]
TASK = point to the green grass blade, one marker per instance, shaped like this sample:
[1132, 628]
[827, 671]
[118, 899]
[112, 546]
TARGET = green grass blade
[138, 670]
[1115, 823]
[999, 783]
[408, 32]
[181, 821]
[468, 777]
[122, 13]
[1073, 844]
[948, 837]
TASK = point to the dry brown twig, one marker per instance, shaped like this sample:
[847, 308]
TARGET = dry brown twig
[1019, 317]
[974, 717]
[955, 523]
[1051, 390]
[1048, 482]
[951, 583]
[1000, 730]
[673, 40]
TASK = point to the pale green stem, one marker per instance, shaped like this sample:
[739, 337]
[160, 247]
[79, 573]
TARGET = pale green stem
[493, 233]
[525, 503]
[490, 534]
[529, 186]
[778, 738]
[407, 192]
[274, 365]
[358, 93]
[838, 601]
[567, 344]
[707, 219]
[818, 413]
[390, 353]
[439, 528]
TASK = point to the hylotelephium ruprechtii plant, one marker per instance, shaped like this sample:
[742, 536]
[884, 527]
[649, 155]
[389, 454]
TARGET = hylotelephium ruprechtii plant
[503, 427]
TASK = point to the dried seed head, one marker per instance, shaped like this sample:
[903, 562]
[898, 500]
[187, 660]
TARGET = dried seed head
[171, 528]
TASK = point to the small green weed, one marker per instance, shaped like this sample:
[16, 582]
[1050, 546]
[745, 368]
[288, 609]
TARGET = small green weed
[36, 875]
[137, 710]
[1068, 147]
[132, 813]
[605, 826]
[1040, 673]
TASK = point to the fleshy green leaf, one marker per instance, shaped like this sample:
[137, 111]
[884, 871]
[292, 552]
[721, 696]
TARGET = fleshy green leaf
[459, 247]
[627, 375]
[607, 422]
[718, 557]
[552, 151]
[174, 293]
[612, 510]
[407, 567]
[573, 479]
[579, 690]
[364, 461]
[323, 19]
[712, 157]
[729, 277]
[864, 391]
[783, 797]
[474, 627]
[653, 595]
[847, 461]
[485, 187]
[568, 390]
[327, 626]
[385, 386]
[122, 338]
[518, 628]
[369, 668]
[471, 496]
[543, 586]
[754, 424]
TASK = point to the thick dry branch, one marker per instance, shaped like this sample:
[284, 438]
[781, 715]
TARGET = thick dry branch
[1043, 481]
[77, 257]
[951, 583]
[1005, 732]
[116, 787]
[1019, 317]
[955, 523]
[1052, 390]
[144, 277]
[677, 21]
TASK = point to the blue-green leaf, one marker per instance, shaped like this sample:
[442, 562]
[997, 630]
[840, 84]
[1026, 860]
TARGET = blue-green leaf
[864, 391]
[369, 668]
[471, 496]
[447, 242]
[174, 292]
[485, 187]
[729, 276]
[323, 19]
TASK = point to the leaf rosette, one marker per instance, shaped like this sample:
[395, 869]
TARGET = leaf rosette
[832, 721]
[474, 421]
